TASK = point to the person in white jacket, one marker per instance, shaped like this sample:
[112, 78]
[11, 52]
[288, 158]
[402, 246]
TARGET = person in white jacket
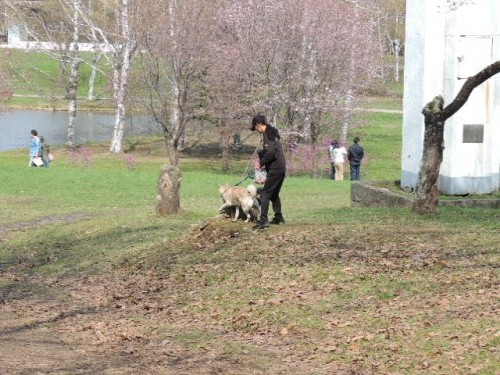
[339, 154]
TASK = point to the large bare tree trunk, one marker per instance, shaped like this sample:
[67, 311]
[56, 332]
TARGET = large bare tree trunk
[168, 191]
[426, 199]
[427, 193]
[176, 114]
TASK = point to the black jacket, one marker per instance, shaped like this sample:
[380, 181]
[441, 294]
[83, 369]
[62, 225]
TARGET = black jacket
[355, 154]
[272, 156]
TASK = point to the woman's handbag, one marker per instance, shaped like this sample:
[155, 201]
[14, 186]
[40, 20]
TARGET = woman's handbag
[38, 161]
[260, 176]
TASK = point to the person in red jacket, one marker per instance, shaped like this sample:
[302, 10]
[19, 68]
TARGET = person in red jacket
[272, 158]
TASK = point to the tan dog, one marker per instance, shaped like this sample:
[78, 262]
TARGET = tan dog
[239, 197]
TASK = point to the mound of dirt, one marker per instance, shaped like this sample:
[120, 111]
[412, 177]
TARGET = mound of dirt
[217, 231]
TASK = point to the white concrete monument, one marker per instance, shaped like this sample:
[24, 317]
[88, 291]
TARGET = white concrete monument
[443, 48]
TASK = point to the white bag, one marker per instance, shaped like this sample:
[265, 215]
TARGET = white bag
[260, 176]
[38, 161]
[51, 157]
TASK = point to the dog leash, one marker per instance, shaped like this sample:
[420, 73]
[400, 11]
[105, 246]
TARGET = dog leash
[249, 174]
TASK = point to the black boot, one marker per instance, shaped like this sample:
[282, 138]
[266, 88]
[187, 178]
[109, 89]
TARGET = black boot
[261, 224]
[279, 219]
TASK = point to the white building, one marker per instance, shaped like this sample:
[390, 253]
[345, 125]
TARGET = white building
[443, 48]
[17, 39]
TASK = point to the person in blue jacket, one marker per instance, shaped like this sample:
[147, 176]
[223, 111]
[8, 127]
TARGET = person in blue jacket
[35, 148]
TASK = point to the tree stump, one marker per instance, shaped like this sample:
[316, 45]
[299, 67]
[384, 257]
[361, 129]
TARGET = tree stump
[168, 191]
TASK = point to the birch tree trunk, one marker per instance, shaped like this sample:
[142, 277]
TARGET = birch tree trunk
[120, 77]
[72, 98]
[397, 51]
[346, 119]
[73, 78]
[349, 97]
[310, 68]
[96, 56]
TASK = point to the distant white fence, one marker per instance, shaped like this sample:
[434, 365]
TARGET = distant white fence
[49, 46]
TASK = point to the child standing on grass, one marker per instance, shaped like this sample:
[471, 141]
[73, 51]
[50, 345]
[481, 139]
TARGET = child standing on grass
[35, 148]
[45, 152]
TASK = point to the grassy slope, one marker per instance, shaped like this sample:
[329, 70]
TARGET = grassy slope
[32, 78]
[333, 290]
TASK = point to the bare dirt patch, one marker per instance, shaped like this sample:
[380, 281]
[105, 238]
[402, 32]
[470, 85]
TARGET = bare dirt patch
[48, 220]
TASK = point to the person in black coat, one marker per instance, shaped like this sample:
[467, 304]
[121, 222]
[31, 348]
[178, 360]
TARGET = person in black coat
[272, 159]
[355, 154]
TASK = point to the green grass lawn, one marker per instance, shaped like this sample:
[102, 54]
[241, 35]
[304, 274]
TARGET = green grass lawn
[334, 290]
[382, 141]
[38, 82]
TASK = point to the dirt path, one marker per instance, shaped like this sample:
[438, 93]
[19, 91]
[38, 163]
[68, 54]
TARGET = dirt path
[49, 220]
[33, 348]
[83, 326]
[36, 335]
[88, 325]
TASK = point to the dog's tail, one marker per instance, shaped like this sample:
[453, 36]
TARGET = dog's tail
[252, 190]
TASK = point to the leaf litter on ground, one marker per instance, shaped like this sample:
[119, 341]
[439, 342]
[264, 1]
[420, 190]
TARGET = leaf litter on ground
[312, 299]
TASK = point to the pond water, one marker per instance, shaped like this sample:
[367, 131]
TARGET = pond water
[16, 125]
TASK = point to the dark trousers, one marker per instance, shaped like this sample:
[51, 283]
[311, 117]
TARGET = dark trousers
[271, 193]
[355, 172]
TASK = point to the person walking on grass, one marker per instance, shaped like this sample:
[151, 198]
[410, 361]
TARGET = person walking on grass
[45, 152]
[355, 154]
[272, 159]
[339, 154]
[35, 148]
[331, 149]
